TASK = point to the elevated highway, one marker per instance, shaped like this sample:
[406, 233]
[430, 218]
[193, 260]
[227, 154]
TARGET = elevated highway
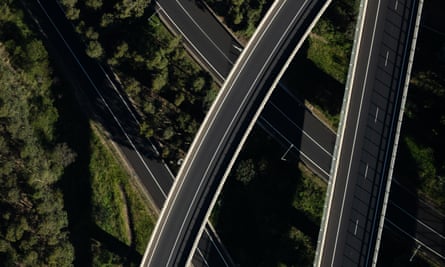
[227, 124]
[368, 133]
[292, 125]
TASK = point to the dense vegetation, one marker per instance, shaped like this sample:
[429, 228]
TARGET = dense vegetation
[241, 16]
[270, 210]
[421, 160]
[33, 224]
[168, 88]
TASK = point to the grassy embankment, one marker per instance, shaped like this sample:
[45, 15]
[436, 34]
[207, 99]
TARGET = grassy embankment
[110, 219]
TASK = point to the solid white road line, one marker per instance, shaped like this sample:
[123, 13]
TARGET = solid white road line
[115, 118]
[102, 98]
[396, 5]
[340, 133]
[391, 158]
[414, 238]
[190, 43]
[357, 123]
[210, 123]
[203, 32]
[419, 221]
[290, 143]
[300, 129]
[386, 59]
[216, 247]
[232, 122]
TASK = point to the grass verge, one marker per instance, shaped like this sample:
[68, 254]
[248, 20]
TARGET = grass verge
[118, 206]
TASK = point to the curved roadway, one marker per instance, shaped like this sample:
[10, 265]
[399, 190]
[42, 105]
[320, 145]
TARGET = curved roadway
[223, 131]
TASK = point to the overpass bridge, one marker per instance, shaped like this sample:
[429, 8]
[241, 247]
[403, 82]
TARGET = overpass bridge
[284, 117]
[225, 129]
[367, 139]
[124, 108]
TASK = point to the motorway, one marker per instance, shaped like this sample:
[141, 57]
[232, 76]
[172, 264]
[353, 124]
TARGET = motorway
[106, 103]
[285, 118]
[217, 50]
[147, 166]
[224, 130]
[367, 139]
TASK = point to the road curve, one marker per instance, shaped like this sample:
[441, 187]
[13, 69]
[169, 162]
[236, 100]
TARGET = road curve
[210, 156]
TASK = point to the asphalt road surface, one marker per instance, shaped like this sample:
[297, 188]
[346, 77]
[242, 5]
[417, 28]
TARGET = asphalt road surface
[284, 117]
[223, 130]
[106, 103]
[360, 173]
[209, 41]
[217, 50]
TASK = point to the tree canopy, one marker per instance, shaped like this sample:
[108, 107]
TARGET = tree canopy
[33, 221]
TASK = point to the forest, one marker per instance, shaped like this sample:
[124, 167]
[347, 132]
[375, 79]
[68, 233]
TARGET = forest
[241, 16]
[33, 225]
[168, 88]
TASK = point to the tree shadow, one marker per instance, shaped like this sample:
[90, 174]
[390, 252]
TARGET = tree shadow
[74, 130]
[310, 83]
[255, 220]
[114, 245]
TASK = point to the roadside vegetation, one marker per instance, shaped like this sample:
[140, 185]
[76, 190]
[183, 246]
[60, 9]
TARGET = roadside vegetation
[66, 200]
[241, 16]
[110, 218]
[270, 210]
[421, 158]
[318, 73]
[169, 89]
[33, 222]
[118, 209]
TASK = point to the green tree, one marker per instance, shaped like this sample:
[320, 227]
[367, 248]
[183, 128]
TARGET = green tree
[94, 49]
[245, 171]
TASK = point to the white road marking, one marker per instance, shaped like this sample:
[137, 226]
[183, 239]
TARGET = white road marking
[216, 247]
[233, 119]
[340, 134]
[211, 122]
[103, 99]
[288, 141]
[386, 59]
[356, 131]
[203, 32]
[396, 5]
[298, 127]
[414, 238]
[356, 227]
[366, 171]
[418, 221]
[118, 122]
[397, 124]
[189, 42]
[376, 115]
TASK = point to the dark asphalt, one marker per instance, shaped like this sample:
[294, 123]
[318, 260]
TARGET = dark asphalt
[109, 106]
[284, 117]
[361, 175]
[212, 44]
[287, 134]
[221, 133]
